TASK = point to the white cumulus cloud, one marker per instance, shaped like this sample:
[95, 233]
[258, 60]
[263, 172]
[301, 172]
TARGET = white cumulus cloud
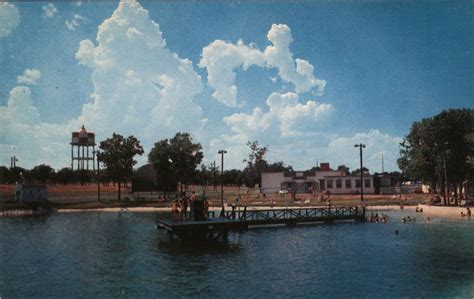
[20, 108]
[285, 117]
[303, 153]
[75, 22]
[49, 10]
[221, 59]
[140, 88]
[30, 76]
[138, 82]
[376, 142]
[9, 18]
[23, 134]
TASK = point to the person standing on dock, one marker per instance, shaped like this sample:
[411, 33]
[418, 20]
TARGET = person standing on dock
[184, 207]
[175, 210]
[194, 197]
[206, 208]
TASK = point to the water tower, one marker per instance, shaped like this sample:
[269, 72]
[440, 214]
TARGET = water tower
[83, 140]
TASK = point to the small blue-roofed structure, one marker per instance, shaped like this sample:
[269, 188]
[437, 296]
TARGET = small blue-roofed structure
[31, 193]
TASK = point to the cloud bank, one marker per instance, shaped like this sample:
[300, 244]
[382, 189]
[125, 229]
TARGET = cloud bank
[49, 10]
[9, 18]
[138, 81]
[30, 77]
[141, 87]
[221, 59]
[75, 22]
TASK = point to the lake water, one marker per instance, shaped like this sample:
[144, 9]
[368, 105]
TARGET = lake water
[106, 254]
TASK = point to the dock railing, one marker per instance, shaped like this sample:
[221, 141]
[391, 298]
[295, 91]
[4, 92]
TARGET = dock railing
[297, 214]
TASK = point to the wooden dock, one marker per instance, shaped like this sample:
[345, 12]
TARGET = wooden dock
[214, 227]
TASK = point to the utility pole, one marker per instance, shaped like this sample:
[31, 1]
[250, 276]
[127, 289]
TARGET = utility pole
[222, 152]
[446, 187]
[214, 176]
[383, 170]
[13, 161]
[98, 176]
[361, 146]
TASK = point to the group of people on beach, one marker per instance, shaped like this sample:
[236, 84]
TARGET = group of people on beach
[408, 219]
[179, 208]
[374, 218]
[467, 214]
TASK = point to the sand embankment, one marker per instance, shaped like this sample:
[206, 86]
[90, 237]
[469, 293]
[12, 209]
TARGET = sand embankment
[445, 211]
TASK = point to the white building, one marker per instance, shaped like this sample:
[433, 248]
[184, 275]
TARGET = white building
[30, 193]
[326, 179]
[349, 184]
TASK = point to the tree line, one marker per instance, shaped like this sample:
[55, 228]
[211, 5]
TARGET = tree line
[177, 161]
[439, 151]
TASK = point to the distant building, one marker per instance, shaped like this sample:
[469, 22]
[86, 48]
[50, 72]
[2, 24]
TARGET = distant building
[31, 194]
[84, 153]
[349, 184]
[325, 179]
[144, 179]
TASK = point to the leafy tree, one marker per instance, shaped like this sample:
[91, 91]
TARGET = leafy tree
[255, 164]
[42, 173]
[83, 176]
[175, 160]
[343, 168]
[357, 171]
[65, 176]
[315, 168]
[234, 177]
[19, 174]
[279, 166]
[186, 156]
[439, 146]
[161, 158]
[4, 175]
[117, 155]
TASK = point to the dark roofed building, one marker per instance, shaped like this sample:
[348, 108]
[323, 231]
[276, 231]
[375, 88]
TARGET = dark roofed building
[144, 179]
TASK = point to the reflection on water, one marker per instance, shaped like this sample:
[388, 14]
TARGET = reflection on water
[97, 254]
[174, 247]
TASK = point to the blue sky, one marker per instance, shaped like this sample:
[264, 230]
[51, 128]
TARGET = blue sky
[307, 78]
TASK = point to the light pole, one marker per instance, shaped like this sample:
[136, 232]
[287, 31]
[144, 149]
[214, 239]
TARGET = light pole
[443, 156]
[222, 152]
[361, 146]
[446, 186]
[97, 153]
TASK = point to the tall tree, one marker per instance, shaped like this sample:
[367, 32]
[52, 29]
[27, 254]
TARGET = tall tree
[343, 168]
[279, 166]
[118, 156]
[439, 148]
[357, 171]
[65, 176]
[42, 173]
[160, 157]
[5, 175]
[175, 160]
[256, 164]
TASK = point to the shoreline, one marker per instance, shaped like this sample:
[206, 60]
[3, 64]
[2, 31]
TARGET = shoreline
[448, 212]
[217, 209]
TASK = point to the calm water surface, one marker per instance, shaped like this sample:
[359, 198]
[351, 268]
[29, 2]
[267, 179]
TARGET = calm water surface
[100, 254]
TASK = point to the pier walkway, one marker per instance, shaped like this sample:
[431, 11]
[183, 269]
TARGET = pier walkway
[235, 220]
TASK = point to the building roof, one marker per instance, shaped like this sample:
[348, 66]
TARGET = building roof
[348, 176]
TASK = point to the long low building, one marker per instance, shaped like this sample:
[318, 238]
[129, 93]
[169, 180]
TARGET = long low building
[349, 184]
[326, 179]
